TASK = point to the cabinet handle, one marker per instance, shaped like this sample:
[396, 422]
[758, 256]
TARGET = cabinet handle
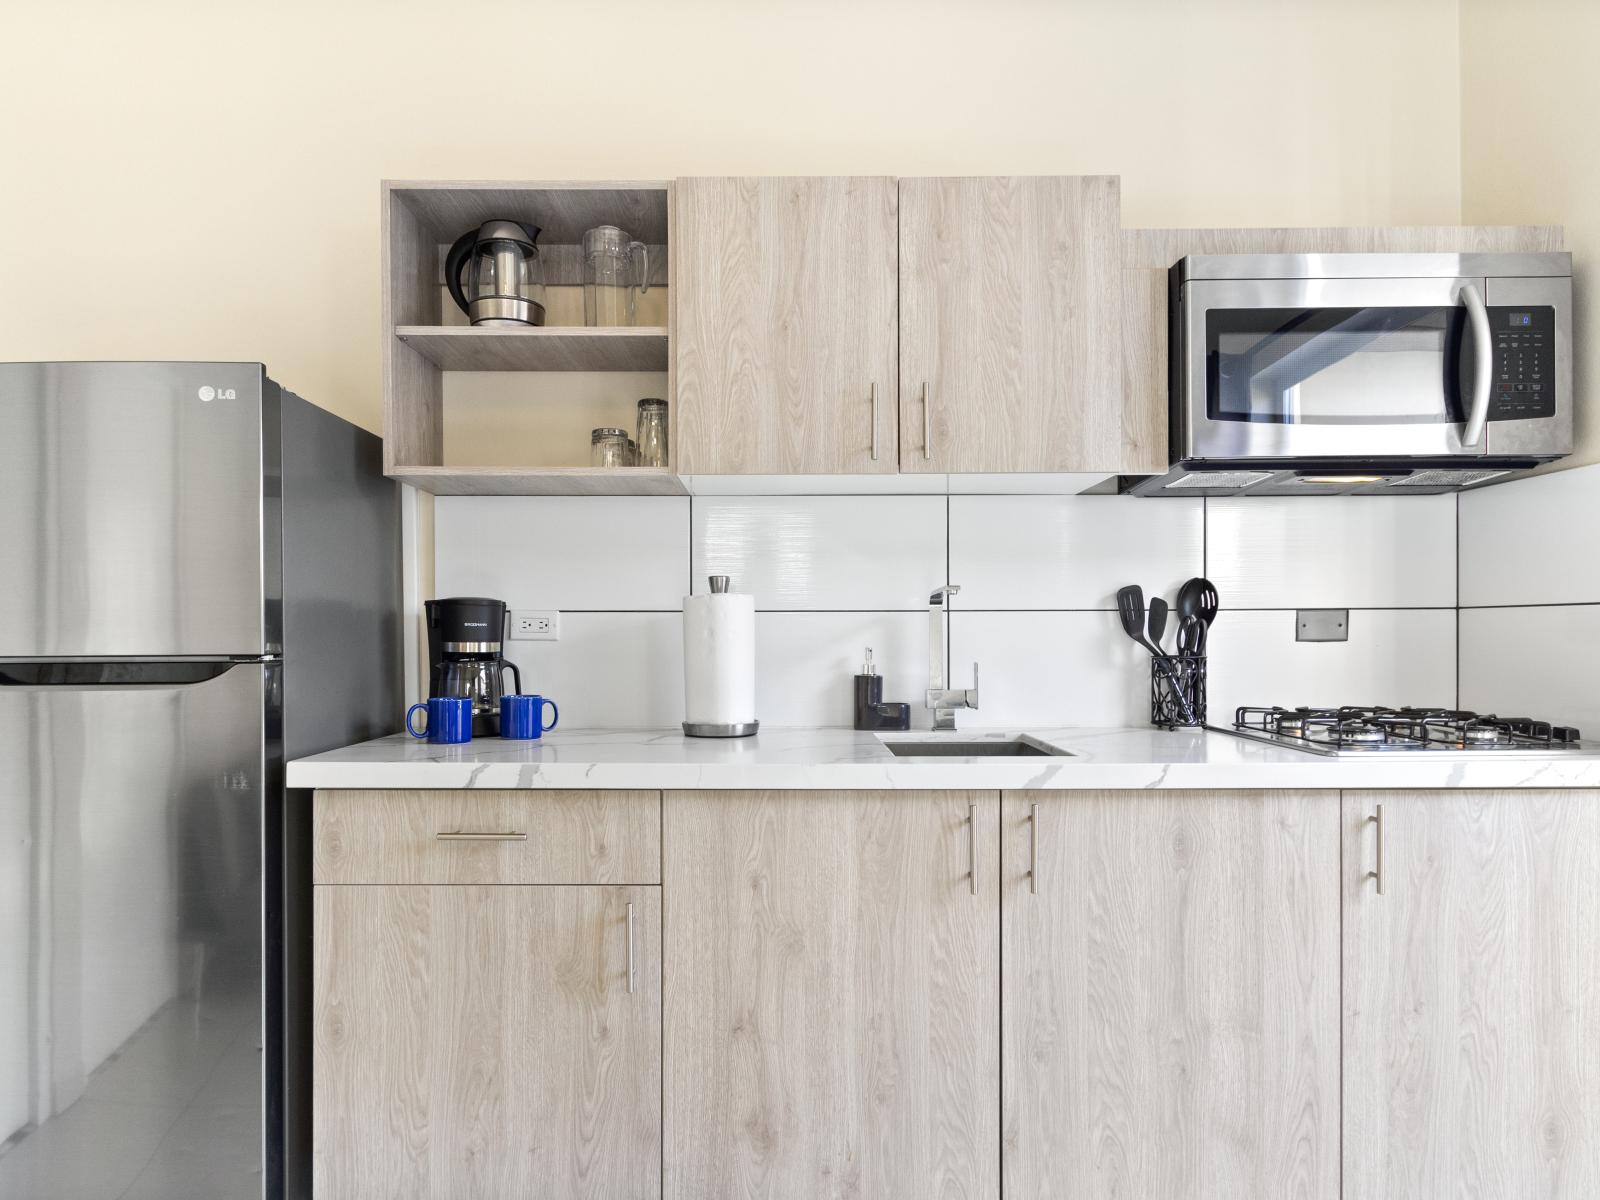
[1033, 850]
[1377, 819]
[874, 422]
[469, 836]
[630, 948]
[927, 423]
[972, 844]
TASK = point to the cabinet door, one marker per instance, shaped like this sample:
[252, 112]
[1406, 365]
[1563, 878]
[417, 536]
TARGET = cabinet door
[1472, 995]
[1010, 326]
[832, 1024]
[784, 333]
[483, 1042]
[1171, 995]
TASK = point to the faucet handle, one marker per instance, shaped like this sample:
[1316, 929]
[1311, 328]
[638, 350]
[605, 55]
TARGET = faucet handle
[972, 692]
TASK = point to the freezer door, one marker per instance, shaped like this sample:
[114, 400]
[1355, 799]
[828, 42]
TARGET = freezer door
[131, 914]
[139, 504]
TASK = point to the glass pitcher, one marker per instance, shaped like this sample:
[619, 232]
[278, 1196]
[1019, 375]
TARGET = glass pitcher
[616, 271]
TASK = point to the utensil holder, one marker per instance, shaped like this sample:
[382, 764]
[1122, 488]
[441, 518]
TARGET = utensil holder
[1174, 680]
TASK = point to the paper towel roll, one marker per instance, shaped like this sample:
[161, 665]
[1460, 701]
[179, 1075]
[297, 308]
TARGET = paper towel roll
[719, 659]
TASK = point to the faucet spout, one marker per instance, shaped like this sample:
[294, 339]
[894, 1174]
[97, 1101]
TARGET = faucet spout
[940, 698]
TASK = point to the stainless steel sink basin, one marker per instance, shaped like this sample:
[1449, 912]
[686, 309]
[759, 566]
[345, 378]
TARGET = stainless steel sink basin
[1014, 747]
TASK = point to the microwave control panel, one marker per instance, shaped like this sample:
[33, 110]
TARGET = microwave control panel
[1524, 362]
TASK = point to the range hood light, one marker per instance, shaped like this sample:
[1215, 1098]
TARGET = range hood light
[1341, 478]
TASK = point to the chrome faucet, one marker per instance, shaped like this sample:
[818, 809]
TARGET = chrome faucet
[941, 699]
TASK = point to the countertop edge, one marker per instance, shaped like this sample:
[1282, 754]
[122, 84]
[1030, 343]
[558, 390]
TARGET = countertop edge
[842, 760]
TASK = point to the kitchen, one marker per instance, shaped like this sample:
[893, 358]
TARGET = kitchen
[929, 386]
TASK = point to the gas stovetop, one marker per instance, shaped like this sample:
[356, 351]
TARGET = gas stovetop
[1391, 730]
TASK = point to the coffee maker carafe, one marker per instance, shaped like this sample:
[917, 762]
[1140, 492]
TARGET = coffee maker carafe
[465, 634]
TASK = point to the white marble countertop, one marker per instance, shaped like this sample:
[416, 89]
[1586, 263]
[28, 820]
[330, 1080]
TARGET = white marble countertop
[844, 759]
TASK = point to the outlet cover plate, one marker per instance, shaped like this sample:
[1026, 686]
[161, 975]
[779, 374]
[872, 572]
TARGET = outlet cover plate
[1322, 625]
[535, 625]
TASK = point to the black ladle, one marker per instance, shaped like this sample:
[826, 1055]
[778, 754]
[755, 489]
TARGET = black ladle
[1198, 598]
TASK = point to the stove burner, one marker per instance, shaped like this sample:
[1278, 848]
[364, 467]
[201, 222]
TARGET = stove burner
[1354, 729]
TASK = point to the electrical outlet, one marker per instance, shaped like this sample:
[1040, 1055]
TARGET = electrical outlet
[535, 625]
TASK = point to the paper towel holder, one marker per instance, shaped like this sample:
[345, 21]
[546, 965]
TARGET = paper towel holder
[707, 729]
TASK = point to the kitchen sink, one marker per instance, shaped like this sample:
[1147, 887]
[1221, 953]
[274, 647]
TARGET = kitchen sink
[1016, 747]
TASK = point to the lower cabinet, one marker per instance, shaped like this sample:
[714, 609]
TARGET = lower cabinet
[487, 1041]
[1472, 994]
[1170, 1008]
[832, 983]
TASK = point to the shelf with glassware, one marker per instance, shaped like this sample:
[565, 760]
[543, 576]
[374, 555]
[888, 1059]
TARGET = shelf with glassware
[519, 318]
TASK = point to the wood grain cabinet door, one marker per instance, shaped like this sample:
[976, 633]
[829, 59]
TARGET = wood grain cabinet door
[1472, 995]
[1171, 995]
[784, 332]
[832, 1020]
[1011, 326]
[482, 1042]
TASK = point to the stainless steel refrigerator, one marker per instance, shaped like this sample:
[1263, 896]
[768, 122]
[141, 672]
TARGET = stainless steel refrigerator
[199, 578]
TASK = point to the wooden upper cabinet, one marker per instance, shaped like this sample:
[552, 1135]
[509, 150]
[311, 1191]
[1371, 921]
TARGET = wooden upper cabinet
[1010, 326]
[784, 332]
[1170, 1005]
[1472, 995]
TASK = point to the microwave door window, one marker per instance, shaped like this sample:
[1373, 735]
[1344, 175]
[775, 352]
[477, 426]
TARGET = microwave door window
[1334, 366]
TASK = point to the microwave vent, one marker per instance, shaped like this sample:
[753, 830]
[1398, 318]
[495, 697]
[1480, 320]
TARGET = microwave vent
[1445, 478]
[1219, 479]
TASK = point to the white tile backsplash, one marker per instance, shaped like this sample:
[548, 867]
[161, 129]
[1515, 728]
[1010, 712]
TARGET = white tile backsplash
[833, 574]
[1532, 541]
[1394, 657]
[806, 664]
[1059, 552]
[1048, 668]
[823, 552]
[1333, 552]
[1533, 662]
[610, 670]
[588, 553]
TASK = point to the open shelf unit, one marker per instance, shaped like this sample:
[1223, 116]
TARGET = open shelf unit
[544, 348]
[425, 335]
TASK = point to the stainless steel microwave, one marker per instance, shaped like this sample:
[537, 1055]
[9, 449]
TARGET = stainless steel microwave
[1315, 374]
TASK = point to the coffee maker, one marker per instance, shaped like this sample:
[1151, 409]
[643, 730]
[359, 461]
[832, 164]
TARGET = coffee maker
[465, 634]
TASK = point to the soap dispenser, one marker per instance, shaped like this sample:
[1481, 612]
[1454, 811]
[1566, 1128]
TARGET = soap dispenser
[871, 712]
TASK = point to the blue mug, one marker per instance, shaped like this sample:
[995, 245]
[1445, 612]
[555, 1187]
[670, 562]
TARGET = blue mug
[449, 720]
[520, 716]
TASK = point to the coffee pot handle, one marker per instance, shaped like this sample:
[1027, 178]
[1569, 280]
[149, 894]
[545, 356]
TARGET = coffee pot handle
[516, 676]
[453, 262]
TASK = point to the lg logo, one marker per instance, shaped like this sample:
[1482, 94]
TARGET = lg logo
[209, 393]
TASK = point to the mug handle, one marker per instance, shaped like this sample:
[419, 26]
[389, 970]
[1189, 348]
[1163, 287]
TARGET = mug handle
[410, 712]
[555, 710]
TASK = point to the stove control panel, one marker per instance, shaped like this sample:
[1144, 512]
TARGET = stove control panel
[1524, 362]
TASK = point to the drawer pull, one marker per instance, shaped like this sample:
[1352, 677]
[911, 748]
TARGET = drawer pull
[469, 836]
[1033, 849]
[630, 949]
[1377, 819]
[972, 845]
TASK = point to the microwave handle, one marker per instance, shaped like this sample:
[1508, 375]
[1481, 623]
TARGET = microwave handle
[1478, 413]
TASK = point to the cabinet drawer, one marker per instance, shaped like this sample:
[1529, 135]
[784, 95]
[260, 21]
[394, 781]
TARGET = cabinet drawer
[486, 837]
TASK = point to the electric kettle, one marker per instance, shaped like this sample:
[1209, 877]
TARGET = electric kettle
[503, 284]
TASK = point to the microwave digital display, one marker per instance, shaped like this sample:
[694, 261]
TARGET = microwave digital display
[1521, 320]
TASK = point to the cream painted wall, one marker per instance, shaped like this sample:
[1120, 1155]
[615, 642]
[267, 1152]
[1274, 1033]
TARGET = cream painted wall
[199, 178]
[1531, 149]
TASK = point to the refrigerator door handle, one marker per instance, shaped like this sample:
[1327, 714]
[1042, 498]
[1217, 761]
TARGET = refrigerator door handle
[122, 673]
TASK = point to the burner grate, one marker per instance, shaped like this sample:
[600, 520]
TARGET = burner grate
[1364, 728]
